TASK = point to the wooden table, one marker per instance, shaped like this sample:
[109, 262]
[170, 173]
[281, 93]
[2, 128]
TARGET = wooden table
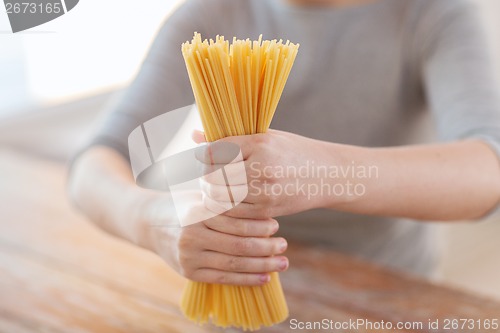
[58, 273]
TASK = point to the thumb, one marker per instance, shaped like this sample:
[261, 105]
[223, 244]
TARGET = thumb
[198, 136]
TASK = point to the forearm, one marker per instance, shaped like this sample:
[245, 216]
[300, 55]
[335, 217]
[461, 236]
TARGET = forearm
[102, 186]
[453, 181]
[218, 250]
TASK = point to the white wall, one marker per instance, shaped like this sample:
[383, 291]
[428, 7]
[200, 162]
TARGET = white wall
[97, 45]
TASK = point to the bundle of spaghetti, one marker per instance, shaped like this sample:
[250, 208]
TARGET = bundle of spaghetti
[237, 88]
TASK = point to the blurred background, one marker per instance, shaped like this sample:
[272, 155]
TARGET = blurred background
[58, 78]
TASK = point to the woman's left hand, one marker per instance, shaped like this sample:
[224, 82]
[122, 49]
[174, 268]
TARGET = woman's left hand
[280, 178]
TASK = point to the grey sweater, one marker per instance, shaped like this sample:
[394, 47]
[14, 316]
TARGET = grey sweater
[388, 73]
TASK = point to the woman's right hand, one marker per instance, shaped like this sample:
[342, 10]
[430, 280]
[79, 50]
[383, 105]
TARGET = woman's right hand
[221, 249]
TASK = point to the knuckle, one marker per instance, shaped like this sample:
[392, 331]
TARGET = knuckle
[263, 175]
[210, 177]
[186, 270]
[222, 279]
[210, 223]
[243, 246]
[182, 243]
[185, 239]
[271, 180]
[250, 280]
[214, 193]
[264, 211]
[189, 274]
[266, 265]
[184, 260]
[253, 171]
[235, 264]
[207, 175]
[243, 227]
[244, 279]
[271, 266]
[262, 140]
[272, 198]
[268, 153]
[208, 189]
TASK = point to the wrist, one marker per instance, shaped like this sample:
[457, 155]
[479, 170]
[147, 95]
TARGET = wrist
[153, 217]
[134, 208]
[347, 177]
[127, 214]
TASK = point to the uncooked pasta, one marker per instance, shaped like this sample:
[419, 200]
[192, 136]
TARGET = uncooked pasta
[237, 88]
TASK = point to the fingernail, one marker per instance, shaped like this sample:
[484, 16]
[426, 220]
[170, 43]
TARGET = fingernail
[283, 264]
[283, 246]
[276, 228]
[265, 278]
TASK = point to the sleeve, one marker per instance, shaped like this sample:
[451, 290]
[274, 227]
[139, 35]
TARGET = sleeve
[161, 85]
[459, 75]
[459, 79]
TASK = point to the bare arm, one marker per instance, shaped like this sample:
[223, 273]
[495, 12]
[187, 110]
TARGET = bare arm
[218, 250]
[288, 173]
[454, 181]
[114, 205]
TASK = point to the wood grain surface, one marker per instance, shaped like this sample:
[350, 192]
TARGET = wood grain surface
[58, 273]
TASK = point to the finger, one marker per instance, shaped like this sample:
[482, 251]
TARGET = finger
[245, 142]
[219, 153]
[236, 264]
[242, 210]
[223, 193]
[242, 227]
[253, 193]
[198, 136]
[246, 246]
[230, 278]
[217, 207]
[235, 173]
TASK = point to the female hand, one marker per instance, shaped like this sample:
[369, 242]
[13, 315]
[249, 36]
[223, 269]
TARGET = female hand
[222, 249]
[281, 178]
